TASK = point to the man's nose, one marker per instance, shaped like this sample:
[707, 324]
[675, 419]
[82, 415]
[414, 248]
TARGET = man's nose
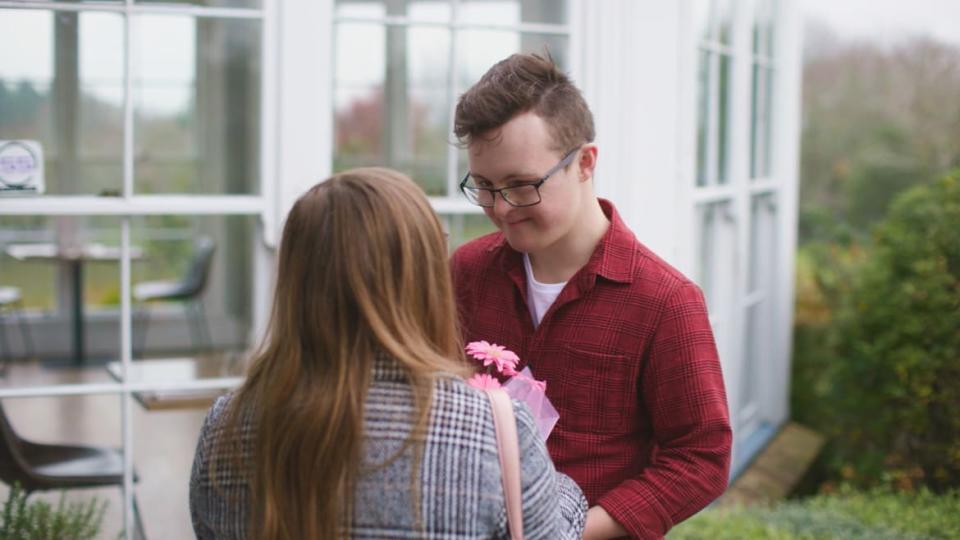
[500, 205]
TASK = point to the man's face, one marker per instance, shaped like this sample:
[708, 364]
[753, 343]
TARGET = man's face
[522, 152]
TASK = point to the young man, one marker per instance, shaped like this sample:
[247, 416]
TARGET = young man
[621, 338]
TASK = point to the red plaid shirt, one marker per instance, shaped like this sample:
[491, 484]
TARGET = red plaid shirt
[630, 363]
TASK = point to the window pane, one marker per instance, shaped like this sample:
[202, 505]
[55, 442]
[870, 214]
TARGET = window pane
[723, 122]
[513, 11]
[763, 27]
[763, 247]
[724, 15]
[61, 84]
[466, 227]
[197, 105]
[67, 272]
[73, 420]
[35, 279]
[479, 50]
[397, 117]
[207, 3]
[703, 118]
[422, 10]
[211, 259]
[760, 130]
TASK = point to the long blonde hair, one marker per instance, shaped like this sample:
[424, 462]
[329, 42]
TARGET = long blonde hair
[362, 270]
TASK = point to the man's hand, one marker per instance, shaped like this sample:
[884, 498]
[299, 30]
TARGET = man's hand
[601, 526]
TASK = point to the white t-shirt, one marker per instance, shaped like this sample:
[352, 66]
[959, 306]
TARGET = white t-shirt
[540, 296]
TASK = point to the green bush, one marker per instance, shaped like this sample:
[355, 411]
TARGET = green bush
[38, 520]
[882, 378]
[874, 515]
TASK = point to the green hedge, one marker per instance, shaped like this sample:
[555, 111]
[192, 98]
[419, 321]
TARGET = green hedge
[881, 376]
[875, 515]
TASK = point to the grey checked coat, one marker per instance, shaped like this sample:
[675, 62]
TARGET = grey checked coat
[461, 495]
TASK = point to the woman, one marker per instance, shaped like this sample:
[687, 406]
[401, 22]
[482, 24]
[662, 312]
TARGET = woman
[354, 420]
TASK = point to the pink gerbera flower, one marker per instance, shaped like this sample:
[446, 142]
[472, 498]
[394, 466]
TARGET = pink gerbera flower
[482, 381]
[490, 353]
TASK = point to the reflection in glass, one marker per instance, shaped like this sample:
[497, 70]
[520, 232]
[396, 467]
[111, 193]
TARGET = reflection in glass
[391, 103]
[196, 104]
[512, 12]
[61, 84]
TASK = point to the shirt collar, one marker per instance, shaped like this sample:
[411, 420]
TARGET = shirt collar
[612, 259]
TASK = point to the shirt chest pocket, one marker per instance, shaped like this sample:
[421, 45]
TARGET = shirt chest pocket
[594, 392]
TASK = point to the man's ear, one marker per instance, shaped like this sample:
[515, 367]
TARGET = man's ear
[587, 162]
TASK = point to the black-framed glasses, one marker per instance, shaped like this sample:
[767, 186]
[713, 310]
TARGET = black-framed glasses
[520, 195]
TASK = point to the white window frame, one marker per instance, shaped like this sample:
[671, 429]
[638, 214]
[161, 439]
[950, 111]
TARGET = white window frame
[265, 206]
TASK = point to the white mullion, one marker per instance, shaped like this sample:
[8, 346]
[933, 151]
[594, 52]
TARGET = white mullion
[453, 150]
[91, 205]
[453, 205]
[125, 312]
[126, 397]
[89, 389]
[269, 110]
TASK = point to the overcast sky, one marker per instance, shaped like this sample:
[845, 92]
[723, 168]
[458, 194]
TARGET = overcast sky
[888, 20]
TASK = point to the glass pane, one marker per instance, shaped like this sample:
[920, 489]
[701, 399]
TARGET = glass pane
[193, 286]
[763, 245]
[763, 27]
[513, 11]
[35, 279]
[703, 118]
[466, 227]
[702, 19]
[755, 353]
[723, 122]
[208, 3]
[196, 105]
[724, 15]
[74, 420]
[716, 256]
[61, 84]
[760, 131]
[164, 443]
[66, 271]
[422, 10]
[479, 50]
[391, 102]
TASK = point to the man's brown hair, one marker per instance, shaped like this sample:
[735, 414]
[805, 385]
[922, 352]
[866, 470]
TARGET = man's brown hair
[522, 83]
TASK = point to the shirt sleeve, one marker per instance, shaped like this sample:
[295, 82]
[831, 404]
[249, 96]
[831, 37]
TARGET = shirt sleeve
[682, 388]
[553, 505]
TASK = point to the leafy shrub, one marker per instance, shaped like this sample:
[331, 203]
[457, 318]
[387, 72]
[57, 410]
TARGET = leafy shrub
[883, 380]
[873, 515]
[38, 520]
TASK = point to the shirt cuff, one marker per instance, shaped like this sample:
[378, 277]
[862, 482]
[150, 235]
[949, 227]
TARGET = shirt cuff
[640, 516]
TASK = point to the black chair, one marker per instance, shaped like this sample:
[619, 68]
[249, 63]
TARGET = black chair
[10, 302]
[187, 290]
[43, 467]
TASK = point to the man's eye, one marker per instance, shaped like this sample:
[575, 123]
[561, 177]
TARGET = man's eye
[520, 183]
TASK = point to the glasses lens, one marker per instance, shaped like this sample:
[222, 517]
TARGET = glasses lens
[477, 195]
[527, 195]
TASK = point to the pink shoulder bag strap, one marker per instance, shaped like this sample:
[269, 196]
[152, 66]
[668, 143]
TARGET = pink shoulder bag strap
[508, 448]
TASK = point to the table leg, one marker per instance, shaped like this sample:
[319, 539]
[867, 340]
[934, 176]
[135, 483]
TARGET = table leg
[76, 274]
